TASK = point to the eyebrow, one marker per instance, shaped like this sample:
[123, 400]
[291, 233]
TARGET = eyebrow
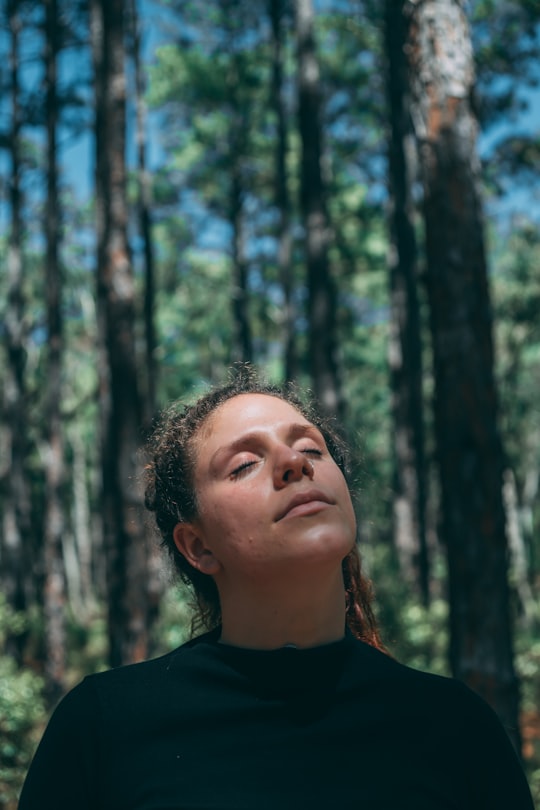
[294, 431]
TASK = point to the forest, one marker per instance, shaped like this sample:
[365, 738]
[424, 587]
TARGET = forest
[344, 195]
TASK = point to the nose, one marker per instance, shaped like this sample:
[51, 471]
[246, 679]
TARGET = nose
[291, 466]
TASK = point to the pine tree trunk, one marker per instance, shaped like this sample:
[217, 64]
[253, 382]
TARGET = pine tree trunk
[283, 204]
[518, 550]
[55, 587]
[242, 349]
[120, 405]
[467, 437]
[145, 223]
[84, 596]
[409, 506]
[243, 344]
[322, 293]
[15, 550]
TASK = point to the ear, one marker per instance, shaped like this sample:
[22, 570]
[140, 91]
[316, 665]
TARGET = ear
[190, 544]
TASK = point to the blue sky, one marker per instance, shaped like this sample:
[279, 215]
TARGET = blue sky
[76, 154]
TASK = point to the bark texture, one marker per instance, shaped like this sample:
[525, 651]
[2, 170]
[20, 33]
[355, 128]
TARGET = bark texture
[145, 222]
[405, 355]
[239, 125]
[129, 610]
[16, 515]
[469, 449]
[282, 197]
[322, 292]
[55, 583]
[243, 342]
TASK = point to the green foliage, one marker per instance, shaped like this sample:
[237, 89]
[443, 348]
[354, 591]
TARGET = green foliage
[516, 288]
[86, 646]
[528, 667]
[194, 323]
[174, 623]
[528, 670]
[425, 637]
[22, 712]
[507, 46]
[415, 634]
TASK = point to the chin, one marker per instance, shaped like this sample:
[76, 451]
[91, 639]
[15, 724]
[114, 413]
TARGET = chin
[329, 545]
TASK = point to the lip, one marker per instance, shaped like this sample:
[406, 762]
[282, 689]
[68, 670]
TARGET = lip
[311, 496]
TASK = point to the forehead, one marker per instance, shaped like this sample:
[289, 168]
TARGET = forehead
[247, 412]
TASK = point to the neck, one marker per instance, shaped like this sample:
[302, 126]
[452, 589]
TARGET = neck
[310, 615]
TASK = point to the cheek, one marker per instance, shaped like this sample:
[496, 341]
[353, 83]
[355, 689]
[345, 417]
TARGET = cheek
[352, 514]
[353, 528]
[348, 509]
[227, 514]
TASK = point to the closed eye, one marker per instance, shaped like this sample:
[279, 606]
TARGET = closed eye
[237, 472]
[246, 465]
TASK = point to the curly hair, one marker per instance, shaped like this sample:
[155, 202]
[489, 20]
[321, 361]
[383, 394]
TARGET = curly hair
[170, 494]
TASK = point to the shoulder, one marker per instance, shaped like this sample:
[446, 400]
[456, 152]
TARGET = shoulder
[421, 691]
[144, 674]
[105, 700]
[453, 721]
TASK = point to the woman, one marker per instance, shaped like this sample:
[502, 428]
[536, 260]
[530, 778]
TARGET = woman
[289, 701]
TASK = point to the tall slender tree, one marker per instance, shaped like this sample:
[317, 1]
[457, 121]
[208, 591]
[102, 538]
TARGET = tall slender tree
[16, 505]
[145, 220]
[55, 588]
[120, 403]
[469, 448]
[239, 115]
[242, 349]
[409, 505]
[322, 293]
[282, 196]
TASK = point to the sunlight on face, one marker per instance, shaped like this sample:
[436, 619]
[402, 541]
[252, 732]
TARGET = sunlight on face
[270, 495]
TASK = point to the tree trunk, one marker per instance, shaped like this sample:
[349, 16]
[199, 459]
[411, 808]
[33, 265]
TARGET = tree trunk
[322, 293]
[16, 504]
[518, 550]
[55, 588]
[145, 224]
[469, 449]
[120, 406]
[242, 349]
[82, 593]
[409, 505]
[282, 199]
[243, 344]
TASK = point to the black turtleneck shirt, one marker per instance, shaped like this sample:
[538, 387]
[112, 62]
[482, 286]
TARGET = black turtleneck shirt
[212, 726]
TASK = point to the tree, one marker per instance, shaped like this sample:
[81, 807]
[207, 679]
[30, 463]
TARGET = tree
[469, 450]
[129, 612]
[516, 289]
[145, 220]
[410, 478]
[16, 507]
[322, 293]
[239, 124]
[282, 197]
[54, 526]
[210, 81]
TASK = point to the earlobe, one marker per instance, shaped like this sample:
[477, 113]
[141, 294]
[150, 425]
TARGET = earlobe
[191, 546]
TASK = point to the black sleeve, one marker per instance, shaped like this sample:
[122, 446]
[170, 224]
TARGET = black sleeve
[495, 772]
[63, 773]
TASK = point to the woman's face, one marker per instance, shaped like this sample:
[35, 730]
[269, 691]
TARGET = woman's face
[270, 496]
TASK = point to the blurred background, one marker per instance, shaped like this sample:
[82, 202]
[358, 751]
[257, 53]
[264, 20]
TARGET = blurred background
[344, 194]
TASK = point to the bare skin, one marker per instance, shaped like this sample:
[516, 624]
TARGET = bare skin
[275, 521]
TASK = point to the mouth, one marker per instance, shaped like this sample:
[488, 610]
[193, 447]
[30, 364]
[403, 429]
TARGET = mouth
[305, 503]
